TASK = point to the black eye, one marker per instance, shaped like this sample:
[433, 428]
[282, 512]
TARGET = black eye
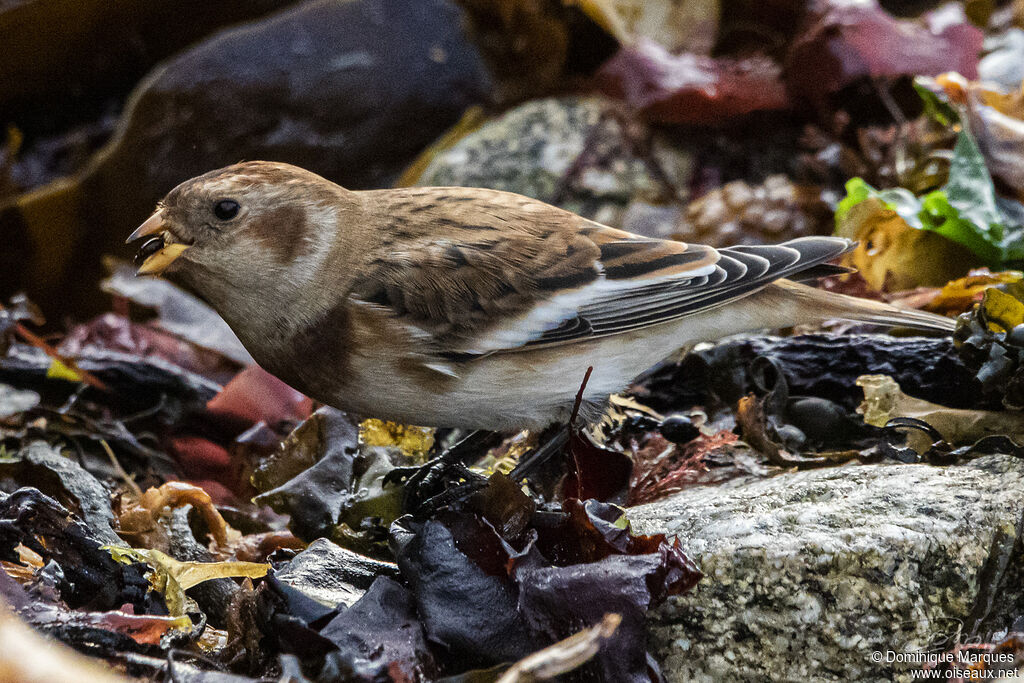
[226, 209]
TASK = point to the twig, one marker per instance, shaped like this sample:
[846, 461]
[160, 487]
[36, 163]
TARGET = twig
[120, 470]
[579, 397]
[38, 342]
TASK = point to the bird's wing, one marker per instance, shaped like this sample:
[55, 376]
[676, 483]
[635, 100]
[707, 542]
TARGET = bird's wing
[483, 285]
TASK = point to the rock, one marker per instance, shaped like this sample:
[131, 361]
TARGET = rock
[351, 90]
[578, 153]
[66, 481]
[808, 573]
[1004, 62]
[14, 401]
[332, 575]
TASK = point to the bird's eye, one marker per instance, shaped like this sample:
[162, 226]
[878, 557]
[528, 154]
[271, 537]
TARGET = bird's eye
[226, 209]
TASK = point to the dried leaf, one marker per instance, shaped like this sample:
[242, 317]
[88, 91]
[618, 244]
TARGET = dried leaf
[891, 255]
[172, 577]
[883, 401]
[996, 117]
[676, 25]
[961, 294]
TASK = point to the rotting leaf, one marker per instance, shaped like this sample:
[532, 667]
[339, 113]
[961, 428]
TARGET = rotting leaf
[464, 608]
[172, 577]
[557, 601]
[333, 576]
[884, 401]
[595, 470]
[311, 479]
[380, 636]
[135, 382]
[67, 481]
[179, 312]
[89, 578]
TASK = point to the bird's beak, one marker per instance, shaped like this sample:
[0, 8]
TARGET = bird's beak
[165, 252]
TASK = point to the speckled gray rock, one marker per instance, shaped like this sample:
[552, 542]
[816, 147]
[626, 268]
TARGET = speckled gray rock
[808, 573]
[572, 151]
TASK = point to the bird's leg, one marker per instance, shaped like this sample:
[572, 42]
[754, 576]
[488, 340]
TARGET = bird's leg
[422, 482]
[426, 490]
[533, 460]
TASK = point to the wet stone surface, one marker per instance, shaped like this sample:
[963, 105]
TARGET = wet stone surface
[808, 573]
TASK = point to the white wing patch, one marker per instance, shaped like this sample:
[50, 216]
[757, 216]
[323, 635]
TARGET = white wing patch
[551, 313]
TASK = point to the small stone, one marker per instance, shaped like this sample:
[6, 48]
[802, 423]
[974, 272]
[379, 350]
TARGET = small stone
[818, 418]
[575, 152]
[679, 429]
[792, 437]
[1016, 336]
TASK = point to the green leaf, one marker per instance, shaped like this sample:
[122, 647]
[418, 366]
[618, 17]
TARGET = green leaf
[856, 191]
[965, 210]
[936, 107]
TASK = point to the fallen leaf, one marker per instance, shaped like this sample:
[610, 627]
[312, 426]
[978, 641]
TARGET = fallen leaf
[891, 255]
[845, 40]
[172, 577]
[883, 401]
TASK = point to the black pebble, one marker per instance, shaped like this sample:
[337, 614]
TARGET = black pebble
[1016, 336]
[792, 438]
[819, 419]
[679, 429]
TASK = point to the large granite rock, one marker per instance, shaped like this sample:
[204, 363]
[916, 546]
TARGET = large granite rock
[580, 153]
[808, 573]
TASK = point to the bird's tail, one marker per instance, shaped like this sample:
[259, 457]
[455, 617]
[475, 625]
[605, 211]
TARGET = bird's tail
[830, 305]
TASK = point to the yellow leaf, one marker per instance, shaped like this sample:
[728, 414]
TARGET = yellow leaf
[413, 441]
[961, 294]
[173, 577]
[59, 370]
[1002, 309]
[893, 256]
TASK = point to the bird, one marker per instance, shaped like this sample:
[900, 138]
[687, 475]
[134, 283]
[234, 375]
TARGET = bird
[467, 307]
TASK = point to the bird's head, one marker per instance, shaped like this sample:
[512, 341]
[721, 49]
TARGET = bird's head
[221, 233]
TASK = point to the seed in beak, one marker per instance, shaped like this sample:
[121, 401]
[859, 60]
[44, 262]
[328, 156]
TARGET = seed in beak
[148, 248]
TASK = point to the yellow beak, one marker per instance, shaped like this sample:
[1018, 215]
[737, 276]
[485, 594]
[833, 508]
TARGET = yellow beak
[156, 262]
